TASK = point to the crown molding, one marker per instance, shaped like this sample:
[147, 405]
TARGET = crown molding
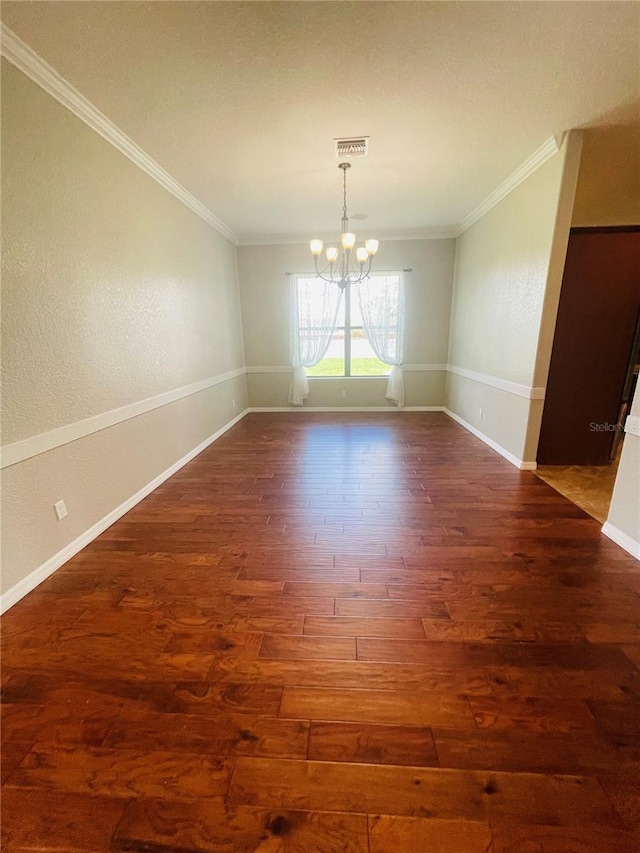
[386, 236]
[25, 59]
[40, 72]
[530, 165]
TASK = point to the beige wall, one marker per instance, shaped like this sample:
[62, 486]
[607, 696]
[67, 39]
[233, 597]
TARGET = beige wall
[113, 292]
[504, 415]
[624, 512]
[501, 272]
[608, 191]
[507, 280]
[265, 311]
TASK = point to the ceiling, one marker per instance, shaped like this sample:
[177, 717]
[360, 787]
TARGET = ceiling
[240, 102]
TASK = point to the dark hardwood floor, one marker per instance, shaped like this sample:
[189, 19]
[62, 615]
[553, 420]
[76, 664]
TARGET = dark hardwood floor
[331, 633]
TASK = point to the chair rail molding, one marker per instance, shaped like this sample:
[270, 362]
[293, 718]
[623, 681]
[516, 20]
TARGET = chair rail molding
[527, 391]
[34, 578]
[11, 454]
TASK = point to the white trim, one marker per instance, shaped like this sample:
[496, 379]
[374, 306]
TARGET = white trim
[49, 567]
[27, 60]
[622, 539]
[274, 368]
[632, 425]
[11, 454]
[389, 408]
[510, 457]
[445, 233]
[410, 368]
[23, 57]
[530, 165]
[17, 452]
[495, 382]
[381, 377]
[426, 368]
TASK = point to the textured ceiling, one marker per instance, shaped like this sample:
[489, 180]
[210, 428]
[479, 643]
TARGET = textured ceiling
[240, 102]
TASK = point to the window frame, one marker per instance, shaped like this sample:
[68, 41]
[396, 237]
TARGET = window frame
[347, 342]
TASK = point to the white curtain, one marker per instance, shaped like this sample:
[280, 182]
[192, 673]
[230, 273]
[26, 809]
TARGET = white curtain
[313, 311]
[381, 298]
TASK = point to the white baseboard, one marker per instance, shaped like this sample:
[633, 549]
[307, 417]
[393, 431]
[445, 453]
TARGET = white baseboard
[40, 574]
[519, 463]
[345, 409]
[622, 539]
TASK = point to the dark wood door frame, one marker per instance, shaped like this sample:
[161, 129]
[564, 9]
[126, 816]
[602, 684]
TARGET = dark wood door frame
[599, 303]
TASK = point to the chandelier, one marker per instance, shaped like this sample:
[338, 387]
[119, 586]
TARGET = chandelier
[342, 269]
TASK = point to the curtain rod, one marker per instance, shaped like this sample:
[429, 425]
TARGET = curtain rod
[375, 272]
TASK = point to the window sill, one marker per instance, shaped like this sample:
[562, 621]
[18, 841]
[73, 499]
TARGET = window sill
[347, 378]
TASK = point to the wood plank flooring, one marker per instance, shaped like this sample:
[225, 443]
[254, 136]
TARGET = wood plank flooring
[338, 632]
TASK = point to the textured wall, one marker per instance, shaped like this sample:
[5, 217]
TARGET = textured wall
[504, 415]
[97, 473]
[624, 512]
[265, 313]
[507, 281]
[113, 292]
[501, 273]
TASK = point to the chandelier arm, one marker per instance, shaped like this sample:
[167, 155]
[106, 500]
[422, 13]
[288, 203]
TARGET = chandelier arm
[369, 267]
[321, 273]
[344, 270]
[361, 274]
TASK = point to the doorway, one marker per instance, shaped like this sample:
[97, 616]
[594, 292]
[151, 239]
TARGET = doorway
[594, 366]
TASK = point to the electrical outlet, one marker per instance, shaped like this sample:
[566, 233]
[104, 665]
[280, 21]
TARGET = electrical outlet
[233, 403]
[344, 393]
[480, 414]
[61, 510]
[632, 425]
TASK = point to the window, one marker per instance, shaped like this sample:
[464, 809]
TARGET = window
[330, 335]
[349, 352]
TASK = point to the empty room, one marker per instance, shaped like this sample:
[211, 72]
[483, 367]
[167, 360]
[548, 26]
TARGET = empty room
[320, 427]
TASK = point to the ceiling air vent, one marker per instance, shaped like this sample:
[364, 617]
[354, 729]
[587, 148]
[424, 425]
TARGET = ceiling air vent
[357, 146]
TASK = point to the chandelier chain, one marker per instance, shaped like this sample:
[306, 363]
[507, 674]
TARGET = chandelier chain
[344, 193]
[341, 268]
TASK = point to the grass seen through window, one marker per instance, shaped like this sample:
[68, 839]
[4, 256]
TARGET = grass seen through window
[359, 367]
